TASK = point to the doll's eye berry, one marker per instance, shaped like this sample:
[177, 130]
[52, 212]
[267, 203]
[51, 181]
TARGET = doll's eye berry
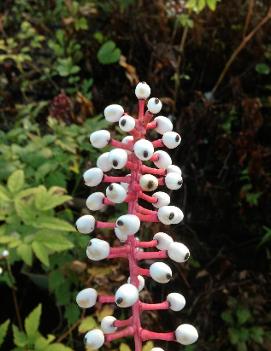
[136, 187]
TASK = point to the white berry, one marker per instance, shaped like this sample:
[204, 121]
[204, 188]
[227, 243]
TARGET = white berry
[107, 324]
[120, 235]
[93, 176]
[85, 224]
[157, 349]
[97, 249]
[164, 160]
[148, 182]
[173, 181]
[154, 105]
[128, 224]
[127, 139]
[170, 215]
[163, 124]
[100, 138]
[126, 295]
[95, 201]
[127, 123]
[164, 240]
[94, 339]
[118, 158]
[113, 113]
[163, 199]
[176, 301]
[174, 169]
[142, 90]
[160, 272]
[86, 298]
[141, 281]
[186, 334]
[143, 149]
[103, 162]
[116, 193]
[171, 139]
[178, 252]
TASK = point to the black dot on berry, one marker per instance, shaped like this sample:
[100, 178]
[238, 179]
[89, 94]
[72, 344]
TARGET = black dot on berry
[110, 187]
[115, 163]
[123, 122]
[156, 100]
[171, 215]
[120, 223]
[180, 182]
[168, 276]
[150, 184]
[177, 138]
[119, 300]
[145, 154]
[186, 257]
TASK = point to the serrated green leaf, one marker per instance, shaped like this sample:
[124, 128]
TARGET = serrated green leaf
[72, 313]
[212, 4]
[87, 324]
[243, 315]
[148, 346]
[45, 200]
[56, 279]
[4, 194]
[41, 252]
[24, 211]
[3, 331]
[16, 181]
[54, 241]
[32, 322]
[53, 223]
[108, 53]
[19, 337]
[25, 252]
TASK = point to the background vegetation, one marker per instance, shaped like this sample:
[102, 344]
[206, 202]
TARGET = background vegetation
[61, 63]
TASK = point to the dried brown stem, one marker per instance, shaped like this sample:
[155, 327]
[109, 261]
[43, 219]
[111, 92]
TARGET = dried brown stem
[248, 16]
[241, 46]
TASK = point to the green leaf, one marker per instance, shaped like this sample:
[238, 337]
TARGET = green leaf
[243, 315]
[56, 279]
[41, 252]
[72, 313]
[4, 195]
[257, 334]
[87, 324]
[262, 68]
[58, 347]
[19, 337]
[55, 242]
[212, 4]
[32, 322]
[44, 200]
[16, 181]
[201, 5]
[108, 53]
[48, 222]
[234, 336]
[25, 252]
[3, 331]
[148, 346]
[124, 347]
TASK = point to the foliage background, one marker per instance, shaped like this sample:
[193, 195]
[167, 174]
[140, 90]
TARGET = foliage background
[61, 63]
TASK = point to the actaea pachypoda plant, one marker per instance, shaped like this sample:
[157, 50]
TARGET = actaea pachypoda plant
[132, 188]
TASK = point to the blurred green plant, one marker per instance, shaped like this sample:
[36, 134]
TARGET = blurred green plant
[242, 327]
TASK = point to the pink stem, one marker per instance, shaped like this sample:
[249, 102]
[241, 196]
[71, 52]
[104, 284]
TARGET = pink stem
[112, 179]
[141, 107]
[143, 271]
[148, 117]
[147, 244]
[161, 181]
[120, 145]
[106, 201]
[157, 171]
[147, 218]
[151, 255]
[144, 210]
[130, 165]
[151, 125]
[148, 198]
[154, 157]
[100, 224]
[158, 143]
[123, 323]
[120, 334]
[121, 251]
[106, 299]
[150, 335]
[154, 306]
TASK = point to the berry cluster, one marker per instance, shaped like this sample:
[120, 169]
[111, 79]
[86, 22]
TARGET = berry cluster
[130, 153]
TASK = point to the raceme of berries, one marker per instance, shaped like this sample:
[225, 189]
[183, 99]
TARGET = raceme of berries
[142, 187]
